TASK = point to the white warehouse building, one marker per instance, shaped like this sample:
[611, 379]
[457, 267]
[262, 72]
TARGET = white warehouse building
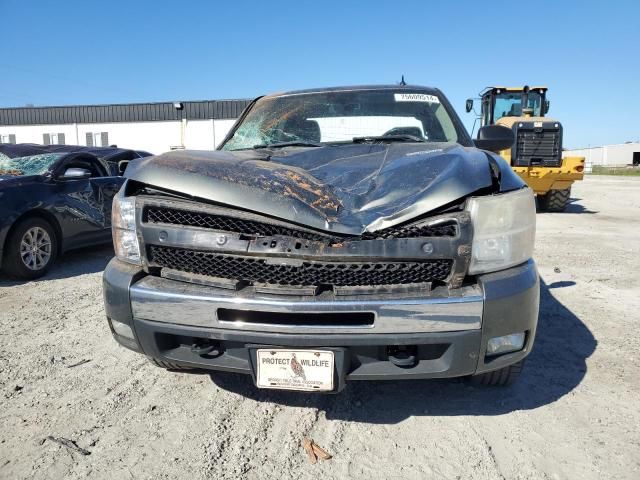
[154, 127]
[608, 155]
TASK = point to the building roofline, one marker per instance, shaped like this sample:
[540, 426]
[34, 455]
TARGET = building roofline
[602, 146]
[78, 105]
[123, 112]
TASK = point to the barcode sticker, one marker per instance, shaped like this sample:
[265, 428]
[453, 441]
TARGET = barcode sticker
[416, 97]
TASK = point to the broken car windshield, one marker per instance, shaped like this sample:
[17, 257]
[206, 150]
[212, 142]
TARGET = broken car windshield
[335, 117]
[31, 165]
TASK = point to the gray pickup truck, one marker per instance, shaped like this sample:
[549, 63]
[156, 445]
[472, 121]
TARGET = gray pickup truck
[352, 233]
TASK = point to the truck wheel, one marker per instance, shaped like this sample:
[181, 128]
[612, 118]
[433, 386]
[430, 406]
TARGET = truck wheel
[31, 249]
[499, 378]
[167, 365]
[554, 200]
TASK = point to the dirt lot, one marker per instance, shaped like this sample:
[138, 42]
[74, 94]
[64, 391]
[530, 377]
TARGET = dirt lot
[575, 413]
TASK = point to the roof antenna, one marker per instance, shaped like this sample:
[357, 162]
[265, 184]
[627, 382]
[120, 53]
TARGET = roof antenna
[402, 82]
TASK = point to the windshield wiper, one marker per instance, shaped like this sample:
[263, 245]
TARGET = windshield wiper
[295, 143]
[388, 138]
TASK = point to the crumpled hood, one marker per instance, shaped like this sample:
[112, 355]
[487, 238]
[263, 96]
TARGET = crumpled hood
[344, 189]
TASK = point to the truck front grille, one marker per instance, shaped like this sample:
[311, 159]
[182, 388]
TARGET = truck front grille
[174, 216]
[446, 229]
[252, 270]
[225, 223]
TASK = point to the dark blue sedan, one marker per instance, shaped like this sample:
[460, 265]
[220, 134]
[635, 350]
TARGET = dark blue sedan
[53, 199]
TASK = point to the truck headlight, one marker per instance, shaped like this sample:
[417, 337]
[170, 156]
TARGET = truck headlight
[504, 228]
[123, 227]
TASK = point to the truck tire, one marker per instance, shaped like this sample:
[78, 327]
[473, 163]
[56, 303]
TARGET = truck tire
[167, 365]
[554, 200]
[31, 249]
[499, 378]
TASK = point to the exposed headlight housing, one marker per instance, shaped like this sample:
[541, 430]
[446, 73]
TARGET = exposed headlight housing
[504, 229]
[123, 227]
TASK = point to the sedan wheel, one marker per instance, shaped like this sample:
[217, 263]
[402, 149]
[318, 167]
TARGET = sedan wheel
[30, 249]
[35, 248]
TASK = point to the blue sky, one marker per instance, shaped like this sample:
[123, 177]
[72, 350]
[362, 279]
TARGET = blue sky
[73, 52]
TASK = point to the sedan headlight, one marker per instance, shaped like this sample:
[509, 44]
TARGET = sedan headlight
[123, 226]
[504, 228]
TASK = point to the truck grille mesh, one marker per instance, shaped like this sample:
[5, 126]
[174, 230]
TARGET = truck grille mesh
[256, 270]
[225, 223]
[445, 229]
[538, 148]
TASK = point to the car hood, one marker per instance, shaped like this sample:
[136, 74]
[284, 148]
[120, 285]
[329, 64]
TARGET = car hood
[345, 189]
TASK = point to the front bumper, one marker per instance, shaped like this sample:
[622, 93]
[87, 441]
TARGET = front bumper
[448, 330]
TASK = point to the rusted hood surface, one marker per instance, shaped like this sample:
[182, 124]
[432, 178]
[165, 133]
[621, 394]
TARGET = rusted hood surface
[345, 189]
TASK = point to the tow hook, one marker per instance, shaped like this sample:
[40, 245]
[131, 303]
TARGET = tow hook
[404, 356]
[206, 348]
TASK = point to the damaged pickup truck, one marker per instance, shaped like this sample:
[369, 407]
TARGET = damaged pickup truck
[335, 235]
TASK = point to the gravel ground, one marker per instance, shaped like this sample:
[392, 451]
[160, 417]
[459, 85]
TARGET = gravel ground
[574, 414]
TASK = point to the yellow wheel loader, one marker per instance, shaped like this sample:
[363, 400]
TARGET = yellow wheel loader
[536, 155]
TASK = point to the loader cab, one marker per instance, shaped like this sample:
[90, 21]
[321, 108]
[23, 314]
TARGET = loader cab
[536, 153]
[500, 102]
[538, 139]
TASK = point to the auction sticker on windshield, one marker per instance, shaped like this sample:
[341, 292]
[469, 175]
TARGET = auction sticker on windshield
[309, 370]
[416, 97]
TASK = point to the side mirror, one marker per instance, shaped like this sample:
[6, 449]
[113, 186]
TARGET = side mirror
[547, 104]
[495, 138]
[122, 166]
[469, 105]
[75, 174]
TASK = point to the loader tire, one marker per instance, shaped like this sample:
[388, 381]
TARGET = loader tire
[554, 200]
[499, 378]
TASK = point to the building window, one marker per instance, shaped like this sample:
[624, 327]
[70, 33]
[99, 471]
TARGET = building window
[100, 139]
[8, 138]
[53, 138]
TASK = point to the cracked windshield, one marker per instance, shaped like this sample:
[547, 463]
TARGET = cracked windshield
[31, 165]
[343, 117]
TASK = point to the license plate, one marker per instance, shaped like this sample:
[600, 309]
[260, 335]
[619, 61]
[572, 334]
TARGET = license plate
[308, 370]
